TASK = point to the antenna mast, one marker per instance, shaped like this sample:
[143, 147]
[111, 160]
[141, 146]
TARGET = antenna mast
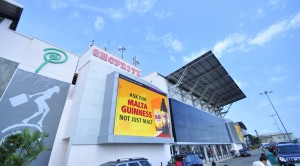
[135, 62]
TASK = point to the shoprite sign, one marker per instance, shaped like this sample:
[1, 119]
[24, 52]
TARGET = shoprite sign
[141, 110]
[116, 62]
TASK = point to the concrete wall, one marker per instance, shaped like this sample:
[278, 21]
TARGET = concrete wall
[29, 54]
[83, 123]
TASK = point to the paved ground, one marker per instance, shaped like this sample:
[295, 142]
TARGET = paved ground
[239, 161]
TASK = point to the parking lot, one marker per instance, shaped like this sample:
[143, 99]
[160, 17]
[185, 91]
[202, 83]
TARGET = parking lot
[238, 161]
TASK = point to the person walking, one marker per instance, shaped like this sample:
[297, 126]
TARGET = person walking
[263, 161]
[213, 163]
[178, 161]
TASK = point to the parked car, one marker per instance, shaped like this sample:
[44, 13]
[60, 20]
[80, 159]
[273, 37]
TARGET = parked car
[288, 154]
[192, 159]
[244, 152]
[140, 161]
[189, 159]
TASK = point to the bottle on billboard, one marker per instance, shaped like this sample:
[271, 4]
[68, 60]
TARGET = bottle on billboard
[158, 119]
[164, 113]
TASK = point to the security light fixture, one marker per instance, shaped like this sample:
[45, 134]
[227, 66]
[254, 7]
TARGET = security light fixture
[121, 48]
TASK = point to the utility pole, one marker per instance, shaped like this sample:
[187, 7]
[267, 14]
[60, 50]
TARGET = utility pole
[278, 128]
[266, 93]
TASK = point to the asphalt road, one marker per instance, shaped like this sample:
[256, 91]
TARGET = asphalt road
[241, 161]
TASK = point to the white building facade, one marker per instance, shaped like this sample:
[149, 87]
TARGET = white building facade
[97, 108]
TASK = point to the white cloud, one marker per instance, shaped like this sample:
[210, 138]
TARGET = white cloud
[140, 6]
[268, 34]
[116, 14]
[194, 55]
[91, 8]
[240, 84]
[173, 59]
[277, 3]
[232, 42]
[279, 68]
[151, 37]
[168, 40]
[260, 12]
[162, 14]
[277, 73]
[56, 4]
[293, 98]
[247, 68]
[276, 29]
[99, 23]
[172, 42]
[240, 42]
[74, 14]
[277, 78]
[262, 105]
[295, 22]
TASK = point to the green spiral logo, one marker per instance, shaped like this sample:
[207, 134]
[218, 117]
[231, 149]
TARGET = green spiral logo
[53, 56]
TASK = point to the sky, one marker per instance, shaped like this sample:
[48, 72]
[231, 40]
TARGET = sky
[256, 41]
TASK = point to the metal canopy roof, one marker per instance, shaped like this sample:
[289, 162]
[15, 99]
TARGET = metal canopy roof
[11, 10]
[207, 79]
[242, 125]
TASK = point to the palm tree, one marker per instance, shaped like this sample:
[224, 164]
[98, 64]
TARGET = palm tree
[22, 148]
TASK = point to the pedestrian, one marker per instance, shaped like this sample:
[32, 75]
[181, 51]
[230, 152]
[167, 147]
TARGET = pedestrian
[268, 162]
[178, 161]
[263, 161]
[213, 163]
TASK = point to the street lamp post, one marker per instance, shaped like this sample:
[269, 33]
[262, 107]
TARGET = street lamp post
[266, 93]
[278, 128]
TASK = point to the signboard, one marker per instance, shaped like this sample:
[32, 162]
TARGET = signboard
[141, 110]
[35, 102]
[116, 62]
[239, 132]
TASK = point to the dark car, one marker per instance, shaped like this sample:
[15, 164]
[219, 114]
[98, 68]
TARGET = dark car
[189, 159]
[244, 152]
[128, 162]
[192, 159]
[288, 154]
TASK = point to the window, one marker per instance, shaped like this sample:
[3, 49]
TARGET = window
[133, 164]
[193, 125]
[74, 78]
[144, 163]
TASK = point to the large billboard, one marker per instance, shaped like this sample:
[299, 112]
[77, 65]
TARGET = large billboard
[141, 110]
[239, 132]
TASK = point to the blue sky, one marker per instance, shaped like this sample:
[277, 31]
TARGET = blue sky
[256, 41]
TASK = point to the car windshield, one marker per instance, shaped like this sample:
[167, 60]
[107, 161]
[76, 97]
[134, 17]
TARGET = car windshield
[145, 163]
[289, 149]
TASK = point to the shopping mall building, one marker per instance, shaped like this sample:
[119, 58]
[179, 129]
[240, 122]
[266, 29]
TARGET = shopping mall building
[96, 107]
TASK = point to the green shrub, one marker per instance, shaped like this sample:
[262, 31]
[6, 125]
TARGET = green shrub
[22, 148]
